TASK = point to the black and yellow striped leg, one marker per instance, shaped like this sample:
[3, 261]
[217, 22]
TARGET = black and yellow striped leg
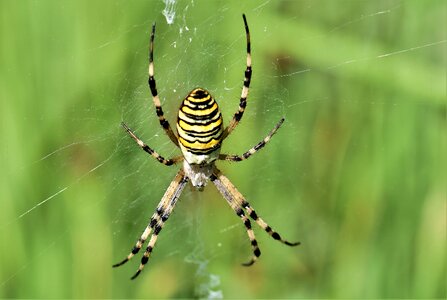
[253, 150]
[228, 194]
[169, 199]
[153, 87]
[158, 157]
[241, 202]
[252, 213]
[243, 101]
[154, 220]
[173, 192]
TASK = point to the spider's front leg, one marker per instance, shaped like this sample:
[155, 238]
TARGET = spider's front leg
[247, 79]
[153, 87]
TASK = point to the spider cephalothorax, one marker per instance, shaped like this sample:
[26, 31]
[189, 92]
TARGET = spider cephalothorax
[200, 133]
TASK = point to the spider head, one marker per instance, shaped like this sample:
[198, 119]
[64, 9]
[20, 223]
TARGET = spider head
[199, 174]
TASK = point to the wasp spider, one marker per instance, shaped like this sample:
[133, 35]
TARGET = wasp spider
[200, 135]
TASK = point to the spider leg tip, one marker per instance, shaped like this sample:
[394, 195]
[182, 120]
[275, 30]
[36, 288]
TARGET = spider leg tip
[120, 263]
[281, 121]
[293, 244]
[135, 275]
[248, 264]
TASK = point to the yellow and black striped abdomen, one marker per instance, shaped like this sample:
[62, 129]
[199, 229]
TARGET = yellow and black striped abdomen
[199, 127]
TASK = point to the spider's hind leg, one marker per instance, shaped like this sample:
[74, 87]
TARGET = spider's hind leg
[228, 195]
[228, 190]
[275, 235]
[158, 219]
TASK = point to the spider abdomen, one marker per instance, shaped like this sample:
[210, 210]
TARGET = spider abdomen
[199, 127]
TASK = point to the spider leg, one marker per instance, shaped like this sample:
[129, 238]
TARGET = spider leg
[275, 235]
[177, 183]
[158, 157]
[157, 220]
[153, 87]
[228, 194]
[243, 101]
[170, 199]
[241, 202]
[154, 220]
[253, 150]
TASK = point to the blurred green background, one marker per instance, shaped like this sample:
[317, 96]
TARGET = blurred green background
[357, 172]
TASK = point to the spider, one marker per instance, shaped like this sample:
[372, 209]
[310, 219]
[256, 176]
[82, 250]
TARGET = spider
[200, 135]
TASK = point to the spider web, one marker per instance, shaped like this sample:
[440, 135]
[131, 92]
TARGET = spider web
[90, 153]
